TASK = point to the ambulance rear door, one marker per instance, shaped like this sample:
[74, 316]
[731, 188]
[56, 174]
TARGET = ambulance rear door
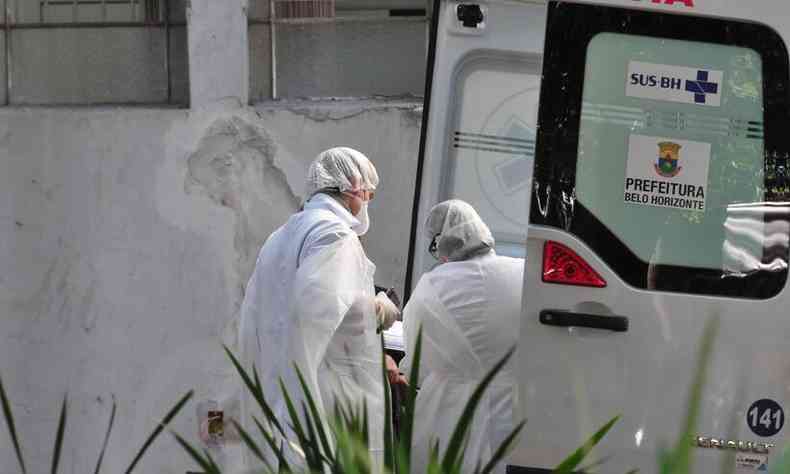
[479, 120]
[660, 201]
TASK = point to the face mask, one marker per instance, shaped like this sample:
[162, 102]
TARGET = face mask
[364, 220]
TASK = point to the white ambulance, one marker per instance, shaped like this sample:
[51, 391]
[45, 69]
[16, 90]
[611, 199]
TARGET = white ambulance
[644, 145]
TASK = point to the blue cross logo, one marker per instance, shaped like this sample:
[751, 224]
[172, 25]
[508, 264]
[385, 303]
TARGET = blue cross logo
[701, 86]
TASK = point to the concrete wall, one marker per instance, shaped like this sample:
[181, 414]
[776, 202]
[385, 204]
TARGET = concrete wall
[347, 58]
[259, 9]
[218, 57]
[68, 66]
[126, 237]
[351, 58]
[62, 64]
[363, 52]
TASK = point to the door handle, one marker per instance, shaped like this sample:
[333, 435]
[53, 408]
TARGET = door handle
[554, 317]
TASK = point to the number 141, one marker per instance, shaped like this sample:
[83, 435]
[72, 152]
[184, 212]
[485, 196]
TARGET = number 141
[768, 416]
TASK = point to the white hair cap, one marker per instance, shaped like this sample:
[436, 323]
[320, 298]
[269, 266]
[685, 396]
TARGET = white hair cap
[341, 169]
[459, 231]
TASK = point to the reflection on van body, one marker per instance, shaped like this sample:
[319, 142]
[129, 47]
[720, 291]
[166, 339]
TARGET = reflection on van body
[755, 238]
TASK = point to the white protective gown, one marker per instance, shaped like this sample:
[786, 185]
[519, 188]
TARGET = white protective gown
[310, 302]
[469, 311]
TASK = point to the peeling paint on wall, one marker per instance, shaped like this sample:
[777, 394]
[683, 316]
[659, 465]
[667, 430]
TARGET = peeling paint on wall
[234, 166]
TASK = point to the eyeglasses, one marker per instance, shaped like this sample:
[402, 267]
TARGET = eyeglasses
[363, 194]
[433, 249]
[367, 195]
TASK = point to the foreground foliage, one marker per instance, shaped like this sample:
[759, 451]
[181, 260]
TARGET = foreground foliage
[61, 430]
[338, 443]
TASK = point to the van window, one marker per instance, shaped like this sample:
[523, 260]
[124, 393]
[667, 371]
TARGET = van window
[673, 165]
[671, 161]
[492, 143]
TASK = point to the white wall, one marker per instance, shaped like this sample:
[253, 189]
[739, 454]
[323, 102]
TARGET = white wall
[127, 235]
[71, 66]
[218, 50]
[363, 52]
[347, 58]
[52, 61]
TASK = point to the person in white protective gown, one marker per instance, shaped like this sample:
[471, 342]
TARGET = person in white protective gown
[468, 307]
[310, 302]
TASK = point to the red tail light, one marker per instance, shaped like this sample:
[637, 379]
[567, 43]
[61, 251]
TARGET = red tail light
[562, 265]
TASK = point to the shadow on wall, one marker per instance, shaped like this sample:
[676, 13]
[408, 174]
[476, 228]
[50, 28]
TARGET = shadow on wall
[234, 166]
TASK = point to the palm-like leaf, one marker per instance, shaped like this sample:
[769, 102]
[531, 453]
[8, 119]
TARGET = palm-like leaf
[503, 449]
[679, 459]
[782, 465]
[389, 442]
[571, 462]
[340, 444]
[248, 441]
[106, 437]
[204, 461]
[158, 430]
[403, 446]
[454, 452]
[59, 436]
[316, 415]
[256, 390]
[9, 419]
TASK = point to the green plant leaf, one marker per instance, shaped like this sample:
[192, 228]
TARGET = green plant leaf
[459, 462]
[165, 421]
[284, 467]
[106, 437]
[454, 450]
[353, 454]
[256, 380]
[211, 462]
[322, 434]
[594, 464]
[205, 463]
[256, 390]
[9, 419]
[403, 460]
[343, 453]
[247, 440]
[59, 436]
[571, 462]
[503, 449]
[365, 420]
[283, 463]
[312, 446]
[389, 447]
[346, 414]
[295, 424]
[781, 465]
[434, 465]
[679, 459]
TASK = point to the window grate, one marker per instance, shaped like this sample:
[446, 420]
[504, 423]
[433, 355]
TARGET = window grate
[153, 72]
[304, 8]
[76, 11]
